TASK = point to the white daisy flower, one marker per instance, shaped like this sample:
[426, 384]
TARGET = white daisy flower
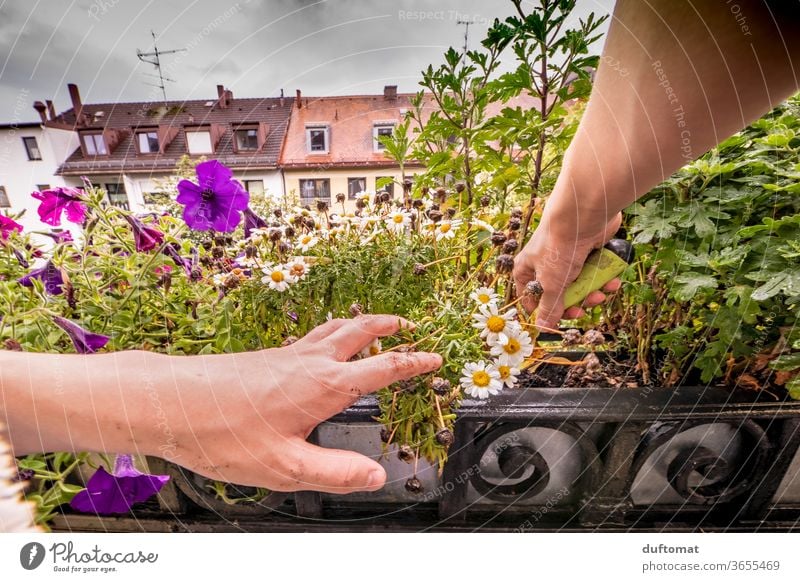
[277, 277]
[307, 241]
[480, 380]
[511, 349]
[298, 268]
[508, 374]
[484, 296]
[447, 229]
[218, 279]
[373, 349]
[482, 225]
[257, 233]
[397, 221]
[429, 228]
[492, 324]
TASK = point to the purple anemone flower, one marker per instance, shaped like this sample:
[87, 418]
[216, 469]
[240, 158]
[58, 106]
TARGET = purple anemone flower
[7, 226]
[146, 238]
[252, 221]
[85, 342]
[58, 200]
[215, 201]
[48, 274]
[116, 492]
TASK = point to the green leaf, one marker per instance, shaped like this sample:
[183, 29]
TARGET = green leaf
[786, 363]
[793, 387]
[687, 285]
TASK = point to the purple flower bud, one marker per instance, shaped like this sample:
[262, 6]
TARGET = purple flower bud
[48, 274]
[85, 342]
[145, 238]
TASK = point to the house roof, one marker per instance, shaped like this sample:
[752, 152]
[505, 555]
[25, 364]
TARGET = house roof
[350, 120]
[274, 112]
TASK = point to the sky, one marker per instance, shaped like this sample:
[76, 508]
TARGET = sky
[254, 47]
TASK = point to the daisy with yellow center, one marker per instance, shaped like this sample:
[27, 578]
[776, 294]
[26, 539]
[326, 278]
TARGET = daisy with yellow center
[277, 277]
[480, 380]
[512, 347]
[373, 349]
[508, 374]
[397, 221]
[298, 268]
[482, 225]
[446, 229]
[307, 241]
[484, 296]
[492, 323]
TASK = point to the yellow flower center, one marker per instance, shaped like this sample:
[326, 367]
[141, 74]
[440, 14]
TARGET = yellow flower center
[505, 372]
[398, 218]
[484, 298]
[512, 347]
[237, 271]
[298, 269]
[276, 276]
[481, 379]
[305, 240]
[374, 350]
[444, 228]
[495, 324]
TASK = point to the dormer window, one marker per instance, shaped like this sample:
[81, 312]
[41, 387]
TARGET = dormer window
[147, 141]
[318, 139]
[382, 129]
[246, 139]
[199, 141]
[94, 144]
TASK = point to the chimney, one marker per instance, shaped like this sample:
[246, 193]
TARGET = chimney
[51, 109]
[282, 101]
[299, 99]
[220, 91]
[390, 92]
[75, 96]
[41, 108]
[228, 97]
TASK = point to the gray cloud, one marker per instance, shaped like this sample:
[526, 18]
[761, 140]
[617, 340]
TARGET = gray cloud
[254, 47]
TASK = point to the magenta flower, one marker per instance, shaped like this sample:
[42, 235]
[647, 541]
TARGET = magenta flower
[7, 226]
[117, 492]
[85, 342]
[55, 202]
[252, 221]
[215, 201]
[48, 274]
[146, 238]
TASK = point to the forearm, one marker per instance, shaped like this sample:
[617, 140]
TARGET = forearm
[676, 78]
[67, 402]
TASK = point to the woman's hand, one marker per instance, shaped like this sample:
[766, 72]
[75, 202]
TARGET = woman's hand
[554, 256]
[244, 418]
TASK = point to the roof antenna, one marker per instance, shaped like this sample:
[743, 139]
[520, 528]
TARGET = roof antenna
[156, 62]
[466, 24]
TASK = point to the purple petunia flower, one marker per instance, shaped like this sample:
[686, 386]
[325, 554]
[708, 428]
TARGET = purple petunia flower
[117, 492]
[146, 238]
[85, 342]
[189, 265]
[7, 226]
[58, 200]
[215, 201]
[48, 274]
[252, 221]
[61, 236]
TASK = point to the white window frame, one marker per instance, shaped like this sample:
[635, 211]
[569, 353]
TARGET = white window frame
[28, 148]
[94, 139]
[147, 133]
[189, 146]
[317, 127]
[236, 139]
[377, 146]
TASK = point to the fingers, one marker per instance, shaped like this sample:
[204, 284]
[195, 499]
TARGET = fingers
[336, 471]
[322, 331]
[357, 333]
[373, 373]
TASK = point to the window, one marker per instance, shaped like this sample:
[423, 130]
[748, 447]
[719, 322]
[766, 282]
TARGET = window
[317, 139]
[381, 130]
[246, 139]
[42, 187]
[4, 201]
[255, 187]
[355, 186]
[311, 190]
[148, 142]
[32, 148]
[95, 144]
[388, 184]
[117, 196]
[199, 142]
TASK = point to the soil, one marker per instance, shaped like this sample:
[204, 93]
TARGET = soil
[601, 370]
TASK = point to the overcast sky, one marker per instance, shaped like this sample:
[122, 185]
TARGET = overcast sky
[254, 47]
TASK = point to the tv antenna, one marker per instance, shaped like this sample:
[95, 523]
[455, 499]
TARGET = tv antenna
[154, 58]
[466, 24]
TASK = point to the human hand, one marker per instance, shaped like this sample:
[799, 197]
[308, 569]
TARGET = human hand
[245, 417]
[554, 256]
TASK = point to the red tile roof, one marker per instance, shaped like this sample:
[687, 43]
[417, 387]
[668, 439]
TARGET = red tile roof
[128, 116]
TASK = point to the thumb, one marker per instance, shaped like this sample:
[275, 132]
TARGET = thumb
[338, 471]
